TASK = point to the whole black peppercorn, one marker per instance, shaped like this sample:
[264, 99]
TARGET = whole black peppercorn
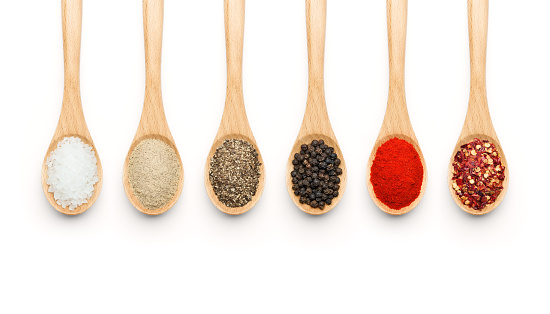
[315, 174]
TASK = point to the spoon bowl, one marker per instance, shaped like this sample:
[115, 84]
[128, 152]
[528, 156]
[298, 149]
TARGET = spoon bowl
[153, 123]
[498, 200]
[478, 122]
[97, 186]
[330, 141]
[125, 177]
[210, 190]
[385, 208]
[71, 120]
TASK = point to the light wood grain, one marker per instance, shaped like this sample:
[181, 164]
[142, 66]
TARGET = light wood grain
[71, 121]
[396, 122]
[316, 123]
[478, 122]
[234, 124]
[153, 123]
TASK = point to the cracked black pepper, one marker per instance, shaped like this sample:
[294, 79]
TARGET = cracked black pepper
[235, 172]
[315, 178]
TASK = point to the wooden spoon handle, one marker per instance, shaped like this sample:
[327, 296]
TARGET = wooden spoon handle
[478, 119]
[234, 120]
[316, 14]
[396, 120]
[316, 118]
[234, 36]
[397, 34]
[153, 14]
[71, 119]
[153, 119]
[478, 12]
[71, 15]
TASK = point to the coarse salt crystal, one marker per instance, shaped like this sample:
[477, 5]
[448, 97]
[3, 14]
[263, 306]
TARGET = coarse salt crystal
[72, 172]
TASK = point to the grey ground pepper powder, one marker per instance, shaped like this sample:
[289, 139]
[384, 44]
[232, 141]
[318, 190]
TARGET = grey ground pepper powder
[154, 173]
[235, 172]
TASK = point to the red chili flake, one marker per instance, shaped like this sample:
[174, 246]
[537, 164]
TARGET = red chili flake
[478, 174]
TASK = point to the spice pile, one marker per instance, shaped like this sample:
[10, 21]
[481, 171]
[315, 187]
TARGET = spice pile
[154, 173]
[235, 172]
[478, 174]
[315, 178]
[72, 172]
[396, 173]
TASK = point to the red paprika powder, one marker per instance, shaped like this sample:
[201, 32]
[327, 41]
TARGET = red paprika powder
[396, 174]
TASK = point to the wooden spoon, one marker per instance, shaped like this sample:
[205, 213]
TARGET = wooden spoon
[478, 122]
[396, 121]
[153, 124]
[234, 124]
[71, 121]
[316, 123]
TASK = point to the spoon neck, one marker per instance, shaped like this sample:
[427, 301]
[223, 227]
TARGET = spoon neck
[152, 104]
[234, 104]
[478, 87]
[71, 88]
[316, 117]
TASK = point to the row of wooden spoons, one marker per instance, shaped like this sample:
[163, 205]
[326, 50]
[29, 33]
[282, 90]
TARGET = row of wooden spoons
[234, 124]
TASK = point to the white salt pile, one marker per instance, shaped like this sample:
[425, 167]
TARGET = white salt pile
[72, 172]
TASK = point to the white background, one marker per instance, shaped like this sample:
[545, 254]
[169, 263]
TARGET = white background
[275, 258]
